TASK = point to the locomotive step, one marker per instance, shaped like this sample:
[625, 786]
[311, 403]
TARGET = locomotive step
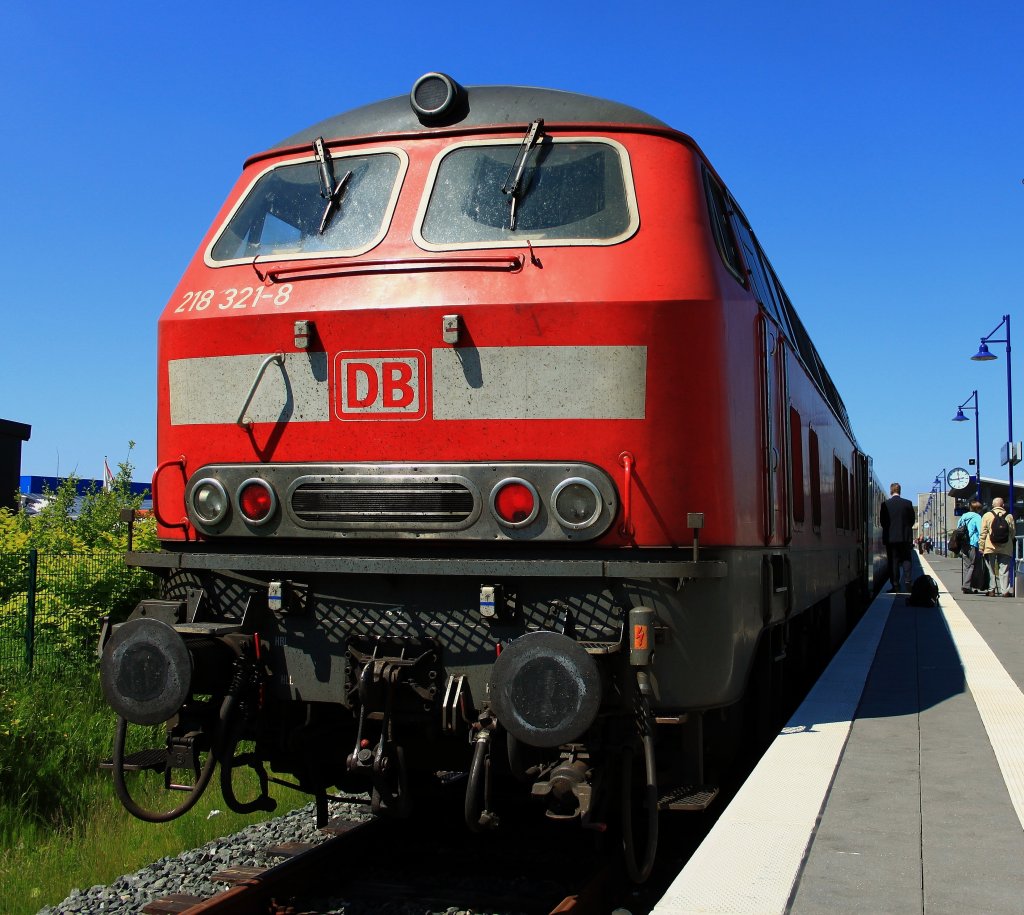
[153, 760]
[688, 797]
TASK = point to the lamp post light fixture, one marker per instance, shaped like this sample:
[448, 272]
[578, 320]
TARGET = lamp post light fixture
[960, 418]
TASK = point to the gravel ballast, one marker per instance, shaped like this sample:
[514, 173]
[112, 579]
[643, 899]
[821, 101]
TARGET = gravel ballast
[190, 872]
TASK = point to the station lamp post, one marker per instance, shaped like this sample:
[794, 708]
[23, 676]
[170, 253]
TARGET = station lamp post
[939, 488]
[944, 508]
[930, 512]
[925, 526]
[960, 418]
[983, 355]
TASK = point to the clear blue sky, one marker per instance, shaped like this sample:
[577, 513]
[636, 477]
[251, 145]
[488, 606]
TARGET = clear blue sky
[876, 148]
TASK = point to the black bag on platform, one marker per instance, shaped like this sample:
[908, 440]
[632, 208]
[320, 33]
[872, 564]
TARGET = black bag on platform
[958, 541]
[979, 574]
[924, 592]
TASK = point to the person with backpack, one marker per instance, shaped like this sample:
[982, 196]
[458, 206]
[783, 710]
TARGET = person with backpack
[998, 533]
[975, 572]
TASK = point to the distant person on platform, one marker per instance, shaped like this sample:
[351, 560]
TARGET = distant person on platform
[897, 518]
[975, 573]
[998, 531]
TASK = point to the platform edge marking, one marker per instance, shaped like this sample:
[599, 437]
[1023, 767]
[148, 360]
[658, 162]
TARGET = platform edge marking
[998, 698]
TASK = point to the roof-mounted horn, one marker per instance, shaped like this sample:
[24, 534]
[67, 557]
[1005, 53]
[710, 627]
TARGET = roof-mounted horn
[437, 99]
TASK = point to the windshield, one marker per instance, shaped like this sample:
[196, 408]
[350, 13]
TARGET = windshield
[283, 214]
[569, 191]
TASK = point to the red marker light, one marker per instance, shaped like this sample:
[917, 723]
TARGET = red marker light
[515, 502]
[256, 501]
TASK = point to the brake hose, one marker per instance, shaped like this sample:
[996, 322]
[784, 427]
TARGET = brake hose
[477, 817]
[149, 816]
[639, 873]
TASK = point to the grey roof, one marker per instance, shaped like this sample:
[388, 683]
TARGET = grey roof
[487, 105]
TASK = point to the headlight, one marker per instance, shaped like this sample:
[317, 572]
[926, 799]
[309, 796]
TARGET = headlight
[209, 501]
[576, 503]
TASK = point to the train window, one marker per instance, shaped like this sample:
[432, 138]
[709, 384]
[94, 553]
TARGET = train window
[571, 192]
[785, 308]
[810, 358]
[283, 213]
[847, 501]
[813, 459]
[855, 493]
[760, 279]
[800, 337]
[796, 447]
[842, 494]
[719, 213]
[837, 490]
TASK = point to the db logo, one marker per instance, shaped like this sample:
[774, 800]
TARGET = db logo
[379, 385]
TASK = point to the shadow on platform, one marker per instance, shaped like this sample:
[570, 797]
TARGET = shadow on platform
[916, 666]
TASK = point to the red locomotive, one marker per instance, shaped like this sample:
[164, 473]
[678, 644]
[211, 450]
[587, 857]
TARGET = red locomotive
[486, 434]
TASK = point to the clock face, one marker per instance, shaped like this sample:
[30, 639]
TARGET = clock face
[958, 478]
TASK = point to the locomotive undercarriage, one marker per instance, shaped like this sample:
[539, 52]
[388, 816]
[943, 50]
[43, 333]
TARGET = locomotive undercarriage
[359, 689]
[376, 683]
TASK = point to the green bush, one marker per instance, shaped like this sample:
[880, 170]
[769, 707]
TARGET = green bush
[96, 526]
[57, 810]
[81, 575]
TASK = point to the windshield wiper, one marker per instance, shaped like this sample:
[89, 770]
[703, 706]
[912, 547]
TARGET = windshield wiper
[328, 189]
[514, 178]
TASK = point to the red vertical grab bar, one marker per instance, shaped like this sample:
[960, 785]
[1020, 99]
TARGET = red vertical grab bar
[183, 523]
[628, 463]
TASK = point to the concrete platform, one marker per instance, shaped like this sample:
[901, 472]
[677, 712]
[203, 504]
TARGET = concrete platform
[898, 785]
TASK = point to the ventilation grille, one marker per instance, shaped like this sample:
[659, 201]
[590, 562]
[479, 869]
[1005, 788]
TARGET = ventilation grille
[382, 503]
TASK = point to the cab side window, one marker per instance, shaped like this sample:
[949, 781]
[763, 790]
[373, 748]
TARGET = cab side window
[724, 240]
[761, 280]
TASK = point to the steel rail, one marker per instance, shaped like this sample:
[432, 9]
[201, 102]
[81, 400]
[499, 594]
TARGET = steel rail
[258, 887]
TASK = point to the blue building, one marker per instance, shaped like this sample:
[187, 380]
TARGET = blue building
[32, 490]
[36, 485]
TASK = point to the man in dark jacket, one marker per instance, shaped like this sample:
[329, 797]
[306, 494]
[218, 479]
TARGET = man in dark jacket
[897, 519]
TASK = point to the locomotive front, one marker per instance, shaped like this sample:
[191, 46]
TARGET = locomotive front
[410, 448]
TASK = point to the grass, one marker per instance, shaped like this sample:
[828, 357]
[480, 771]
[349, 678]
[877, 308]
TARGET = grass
[61, 826]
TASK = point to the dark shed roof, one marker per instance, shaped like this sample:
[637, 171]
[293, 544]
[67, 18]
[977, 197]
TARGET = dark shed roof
[19, 431]
[487, 105]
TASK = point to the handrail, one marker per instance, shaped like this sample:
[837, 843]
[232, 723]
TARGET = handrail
[507, 263]
[273, 357]
[183, 524]
[628, 463]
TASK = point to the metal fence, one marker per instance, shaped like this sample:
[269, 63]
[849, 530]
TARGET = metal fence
[52, 604]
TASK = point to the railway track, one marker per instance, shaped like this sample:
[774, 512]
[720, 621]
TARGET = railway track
[368, 872]
[254, 889]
